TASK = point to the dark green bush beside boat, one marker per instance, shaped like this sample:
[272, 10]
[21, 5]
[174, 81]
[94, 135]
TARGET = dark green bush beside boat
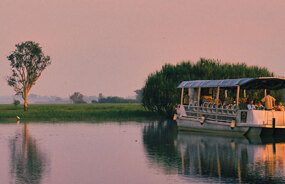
[160, 93]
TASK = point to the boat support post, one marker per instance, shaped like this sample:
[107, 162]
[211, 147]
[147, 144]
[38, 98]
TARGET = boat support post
[265, 92]
[182, 92]
[217, 102]
[199, 95]
[238, 89]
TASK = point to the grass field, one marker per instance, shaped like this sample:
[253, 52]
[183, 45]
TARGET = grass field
[75, 112]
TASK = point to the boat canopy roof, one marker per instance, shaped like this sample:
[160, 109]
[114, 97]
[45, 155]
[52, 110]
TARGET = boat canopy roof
[247, 83]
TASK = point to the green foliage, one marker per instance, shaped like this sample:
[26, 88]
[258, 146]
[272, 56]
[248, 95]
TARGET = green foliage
[138, 95]
[94, 101]
[160, 140]
[16, 102]
[115, 99]
[76, 112]
[160, 93]
[27, 63]
[77, 98]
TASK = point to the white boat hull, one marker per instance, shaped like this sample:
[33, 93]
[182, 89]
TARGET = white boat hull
[185, 123]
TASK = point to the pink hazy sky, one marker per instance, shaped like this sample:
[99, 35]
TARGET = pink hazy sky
[111, 46]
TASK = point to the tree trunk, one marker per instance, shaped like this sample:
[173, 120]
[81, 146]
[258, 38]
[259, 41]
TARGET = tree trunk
[26, 101]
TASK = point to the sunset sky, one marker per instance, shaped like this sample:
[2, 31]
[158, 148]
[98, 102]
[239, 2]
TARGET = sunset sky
[111, 46]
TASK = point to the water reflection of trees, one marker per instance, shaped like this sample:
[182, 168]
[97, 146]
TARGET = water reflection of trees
[224, 159]
[159, 141]
[27, 161]
[160, 144]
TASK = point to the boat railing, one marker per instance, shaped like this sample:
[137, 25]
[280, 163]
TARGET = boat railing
[212, 108]
[212, 111]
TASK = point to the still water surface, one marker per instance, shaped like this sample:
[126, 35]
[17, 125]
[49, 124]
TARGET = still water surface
[133, 152]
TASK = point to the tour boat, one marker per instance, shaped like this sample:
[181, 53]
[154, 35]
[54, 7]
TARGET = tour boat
[210, 115]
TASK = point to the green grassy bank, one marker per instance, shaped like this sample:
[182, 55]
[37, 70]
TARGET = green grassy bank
[75, 112]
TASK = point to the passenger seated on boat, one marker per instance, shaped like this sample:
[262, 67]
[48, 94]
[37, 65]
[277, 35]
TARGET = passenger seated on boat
[202, 100]
[227, 101]
[232, 100]
[177, 108]
[186, 99]
[259, 105]
[251, 106]
[243, 105]
[280, 107]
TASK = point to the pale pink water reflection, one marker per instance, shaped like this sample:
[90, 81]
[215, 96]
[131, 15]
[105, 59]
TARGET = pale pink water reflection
[134, 152]
[85, 153]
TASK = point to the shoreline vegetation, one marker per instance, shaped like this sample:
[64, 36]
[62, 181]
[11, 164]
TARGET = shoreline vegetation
[160, 93]
[76, 112]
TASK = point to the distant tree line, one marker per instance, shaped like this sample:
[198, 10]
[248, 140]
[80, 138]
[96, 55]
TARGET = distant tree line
[115, 99]
[77, 98]
[160, 93]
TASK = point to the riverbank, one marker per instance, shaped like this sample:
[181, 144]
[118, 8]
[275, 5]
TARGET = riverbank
[75, 112]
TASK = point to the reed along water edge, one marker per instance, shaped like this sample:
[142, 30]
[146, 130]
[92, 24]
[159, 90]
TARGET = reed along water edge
[76, 112]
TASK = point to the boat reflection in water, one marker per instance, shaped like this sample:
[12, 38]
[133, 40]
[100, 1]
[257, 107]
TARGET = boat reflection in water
[28, 163]
[210, 158]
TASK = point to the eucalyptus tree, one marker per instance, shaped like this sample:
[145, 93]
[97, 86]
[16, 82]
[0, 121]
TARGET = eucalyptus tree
[27, 63]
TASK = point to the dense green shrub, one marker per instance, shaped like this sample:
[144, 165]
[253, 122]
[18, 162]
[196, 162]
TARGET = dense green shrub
[160, 93]
[16, 102]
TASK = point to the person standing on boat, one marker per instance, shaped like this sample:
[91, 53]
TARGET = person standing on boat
[251, 106]
[186, 99]
[269, 101]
